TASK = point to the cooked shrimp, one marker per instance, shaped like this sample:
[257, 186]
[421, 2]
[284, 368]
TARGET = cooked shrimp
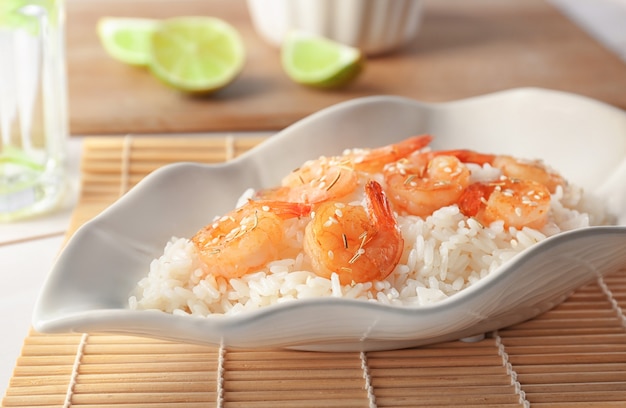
[360, 244]
[424, 183]
[373, 160]
[335, 177]
[246, 238]
[519, 203]
[512, 167]
[323, 179]
[534, 170]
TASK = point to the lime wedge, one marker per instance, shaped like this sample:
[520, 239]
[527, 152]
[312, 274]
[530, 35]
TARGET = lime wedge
[127, 39]
[318, 61]
[196, 54]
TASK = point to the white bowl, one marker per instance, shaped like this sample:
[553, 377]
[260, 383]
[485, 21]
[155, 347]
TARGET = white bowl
[88, 287]
[374, 26]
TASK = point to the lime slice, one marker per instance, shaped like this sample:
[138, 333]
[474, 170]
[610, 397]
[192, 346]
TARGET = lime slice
[16, 156]
[318, 61]
[127, 39]
[196, 54]
[26, 14]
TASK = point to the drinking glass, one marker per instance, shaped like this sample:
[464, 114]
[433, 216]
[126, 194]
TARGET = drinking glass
[33, 107]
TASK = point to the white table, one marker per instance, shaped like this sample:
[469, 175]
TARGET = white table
[28, 249]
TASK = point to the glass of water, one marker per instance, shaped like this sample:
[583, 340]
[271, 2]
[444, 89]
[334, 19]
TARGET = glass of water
[33, 107]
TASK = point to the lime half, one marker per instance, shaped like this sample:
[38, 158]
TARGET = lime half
[196, 54]
[318, 61]
[127, 39]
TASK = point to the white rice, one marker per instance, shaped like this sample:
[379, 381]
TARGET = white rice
[444, 254]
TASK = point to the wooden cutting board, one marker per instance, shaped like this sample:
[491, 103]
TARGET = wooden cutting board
[464, 48]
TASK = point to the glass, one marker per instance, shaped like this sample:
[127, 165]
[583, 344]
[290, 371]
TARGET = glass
[33, 107]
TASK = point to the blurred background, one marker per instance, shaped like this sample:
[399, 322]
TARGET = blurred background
[461, 49]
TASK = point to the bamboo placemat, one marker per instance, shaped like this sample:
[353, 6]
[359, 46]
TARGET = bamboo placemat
[571, 356]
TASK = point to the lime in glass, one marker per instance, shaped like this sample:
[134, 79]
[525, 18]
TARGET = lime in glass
[33, 107]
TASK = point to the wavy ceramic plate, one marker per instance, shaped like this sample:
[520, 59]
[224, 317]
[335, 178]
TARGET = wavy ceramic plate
[88, 288]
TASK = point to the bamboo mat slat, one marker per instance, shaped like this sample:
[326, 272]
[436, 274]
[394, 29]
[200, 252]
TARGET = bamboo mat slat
[571, 356]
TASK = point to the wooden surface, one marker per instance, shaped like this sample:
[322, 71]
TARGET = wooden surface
[571, 356]
[464, 48]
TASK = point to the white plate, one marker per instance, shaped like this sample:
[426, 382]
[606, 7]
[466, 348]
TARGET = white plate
[89, 286]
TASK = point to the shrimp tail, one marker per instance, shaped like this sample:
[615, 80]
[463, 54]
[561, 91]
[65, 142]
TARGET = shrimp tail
[381, 211]
[410, 145]
[472, 199]
[373, 160]
[468, 156]
[389, 246]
